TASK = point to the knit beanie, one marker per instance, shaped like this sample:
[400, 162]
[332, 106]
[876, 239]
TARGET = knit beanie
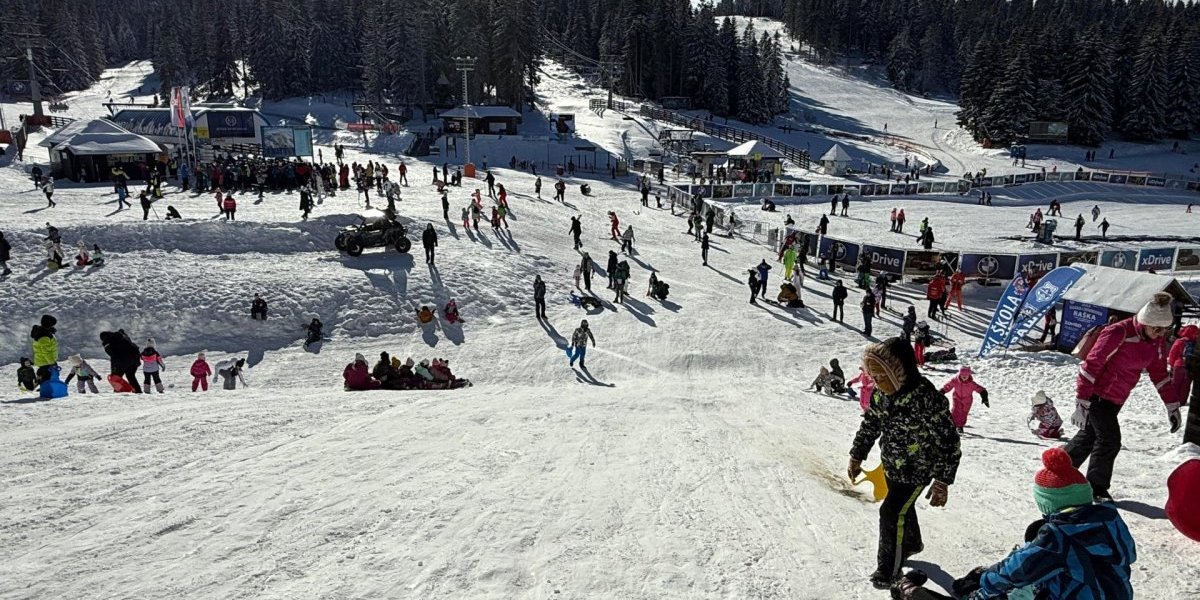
[358, 357]
[1157, 312]
[1059, 485]
[1040, 398]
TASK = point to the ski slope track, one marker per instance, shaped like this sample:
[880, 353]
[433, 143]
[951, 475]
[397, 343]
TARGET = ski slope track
[685, 462]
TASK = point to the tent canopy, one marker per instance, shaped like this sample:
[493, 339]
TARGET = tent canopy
[90, 126]
[749, 149]
[836, 154]
[1126, 291]
[108, 143]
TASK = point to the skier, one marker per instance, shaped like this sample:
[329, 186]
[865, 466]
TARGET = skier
[868, 311]
[124, 357]
[763, 270]
[83, 373]
[918, 444]
[45, 347]
[5, 255]
[1107, 375]
[965, 387]
[839, 301]
[1079, 222]
[704, 249]
[1076, 550]
[934, 293]
[48, 190]
[430, 241]
[1104, 228]
[579, 340]
[200, 372]
[576, 230]
[957, 281]
[539, 297]
[230, 370]
[585, 267]
[627, 240]
[258, 308]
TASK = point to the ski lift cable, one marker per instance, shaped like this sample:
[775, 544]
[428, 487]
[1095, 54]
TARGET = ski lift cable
[75, 63]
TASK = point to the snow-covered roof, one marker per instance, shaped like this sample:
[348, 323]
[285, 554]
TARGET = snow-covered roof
[749, 149]
[74, 128]
[108, 143]
[480, 112]
[836, 154]
[1126, 291]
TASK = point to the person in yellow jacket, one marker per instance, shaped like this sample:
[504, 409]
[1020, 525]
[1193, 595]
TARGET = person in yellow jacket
[45, 347]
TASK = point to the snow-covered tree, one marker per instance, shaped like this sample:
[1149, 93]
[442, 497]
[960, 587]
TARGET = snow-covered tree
[1089, 89]
[1144, 117]
[1011, 107]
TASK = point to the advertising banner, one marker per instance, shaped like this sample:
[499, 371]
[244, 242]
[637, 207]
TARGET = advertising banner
[1034, 266]
[1076, 320]
[845, 253]
[230, 124]
[1188, 259]
[723, 191]
[1158, 259]
[923, 264]
[885, 260]
[783, 189]
[1041, 298]
[278, 142]
[1000, 328]
[1119, 259]
[1088, 257]
[989, 266]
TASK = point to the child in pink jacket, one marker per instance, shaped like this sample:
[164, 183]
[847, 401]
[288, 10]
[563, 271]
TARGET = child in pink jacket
[866, 391]
[200, 373]
[964, 387]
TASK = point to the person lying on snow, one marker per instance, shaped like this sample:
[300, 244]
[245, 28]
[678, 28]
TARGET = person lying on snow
[788, 297]
[584, 302]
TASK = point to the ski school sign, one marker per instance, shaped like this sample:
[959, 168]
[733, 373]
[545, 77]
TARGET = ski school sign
[1159, 259]
[885, 260]
[1041, 298]
[1006, 315]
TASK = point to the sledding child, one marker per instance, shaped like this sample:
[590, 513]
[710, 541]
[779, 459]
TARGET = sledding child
[839, 377]
[26, 376]
[152, 365]
[964, 387]
[827, 383]
[865, 392]
[83, 373]
[1049, 424]
[451, 312]
[200, 372]
[358, 376]
[425, 315]
[82, 257]
[97, 255]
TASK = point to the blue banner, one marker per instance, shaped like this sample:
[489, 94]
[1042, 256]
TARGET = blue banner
[1077, 319]
[1006, 314]
[885, 260]
[1041, 298]
[989, 266]
[844, 253]
[1158, 259]
[230, 123]
[1035, 266]
[1119, 259]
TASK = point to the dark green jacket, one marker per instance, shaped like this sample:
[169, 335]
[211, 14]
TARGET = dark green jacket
[917, 441]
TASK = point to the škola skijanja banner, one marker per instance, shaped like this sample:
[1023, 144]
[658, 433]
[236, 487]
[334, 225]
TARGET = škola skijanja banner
[998, 331]
[1041, 298]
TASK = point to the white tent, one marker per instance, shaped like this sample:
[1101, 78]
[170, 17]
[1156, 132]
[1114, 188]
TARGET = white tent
[836, 160]
[74, 128]
[87, 150]
[1119, 289]
[754, 149]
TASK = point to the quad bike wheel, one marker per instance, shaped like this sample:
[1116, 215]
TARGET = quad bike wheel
[354, 247]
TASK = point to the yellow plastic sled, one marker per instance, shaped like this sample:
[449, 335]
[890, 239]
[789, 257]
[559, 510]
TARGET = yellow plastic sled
[875, 476]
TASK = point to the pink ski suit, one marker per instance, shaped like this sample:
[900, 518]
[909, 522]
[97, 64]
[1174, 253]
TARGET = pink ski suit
[1175, 360]
[964, 387]
[866, 391]
[1115, 363]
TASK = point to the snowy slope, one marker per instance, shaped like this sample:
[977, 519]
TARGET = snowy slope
[688, 463]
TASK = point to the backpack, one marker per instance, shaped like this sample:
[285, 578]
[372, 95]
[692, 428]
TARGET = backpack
[1086, 342]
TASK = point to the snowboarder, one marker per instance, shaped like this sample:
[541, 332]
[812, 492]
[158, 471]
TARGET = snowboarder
[539, 297]
[152, 365]
[840, 293]
[965, 387]
[1107, 375]
[200, 372]
[430, 241]
[258, 308]
[576, 230]
[579, 340]
[83, 373]
[230, 370]
[918, 445]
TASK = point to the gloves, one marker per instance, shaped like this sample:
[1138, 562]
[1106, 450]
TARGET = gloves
[1079, 419]
[938, 494]
[855, 469]
[1173, 416]
[983, 397]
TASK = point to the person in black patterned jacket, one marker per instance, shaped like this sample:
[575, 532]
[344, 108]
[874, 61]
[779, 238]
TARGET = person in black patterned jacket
[918, 444]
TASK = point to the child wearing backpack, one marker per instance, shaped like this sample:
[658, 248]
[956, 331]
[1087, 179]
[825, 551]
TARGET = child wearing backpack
[200, 372]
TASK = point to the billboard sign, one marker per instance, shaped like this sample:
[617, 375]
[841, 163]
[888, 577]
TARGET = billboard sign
[1077, 319]
[989, 266]
[1188, 259]
[885, 260]
[1119, 259]
[1157, 259]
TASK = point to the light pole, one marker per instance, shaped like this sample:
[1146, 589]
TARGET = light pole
[466, 64]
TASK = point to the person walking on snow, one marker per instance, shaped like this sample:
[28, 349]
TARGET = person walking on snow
[1185, 348]
[539, 297]
[612, 267]
[934, 293]
[579, 341]
[1079, 223]
[1107, 375]
[152, 365]
[957, 281]
[918, 444]
[1095, 212]
[614, 225]
[789, 261]
[200, 372]
[231, 371]
[585, 268]
[704, 249]
[840, 293]
[576, 230]
[893, 219]
[45, 346]
[430, 241]
[48, 190]
[754, 286]
[627, 240]
[965, 387]
[83, 373]
[846, 205]
[868, 311]
[1104, 228]
[466, 218]
[537, 187]
[763, 270]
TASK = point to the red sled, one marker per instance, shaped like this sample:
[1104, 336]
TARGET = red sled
[1183, 488]
[119, 384]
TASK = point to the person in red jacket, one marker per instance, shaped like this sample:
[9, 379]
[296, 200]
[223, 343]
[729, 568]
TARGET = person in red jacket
[200, 372]
[616, 225]
[1176, 359]
[957, 281]
[934, 293]
[229, 206]
[1106, 377]
[358, 376]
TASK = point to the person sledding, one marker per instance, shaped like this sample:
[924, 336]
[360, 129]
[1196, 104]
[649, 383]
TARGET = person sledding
[358, 376]
[451, 312]
[313, 332]
[964, 387]
[425, 315]
[1049, 423]
[584, 302]
[658, 289]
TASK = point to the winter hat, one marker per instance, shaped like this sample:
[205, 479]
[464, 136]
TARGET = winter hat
[150, 342]
[964, 372]
[25, 361]
[1157, 312]
[409, 362]
[891, 361]
[1059, 485]
[48, 321]
[1040, 398]
[358, 357]
[75, 359]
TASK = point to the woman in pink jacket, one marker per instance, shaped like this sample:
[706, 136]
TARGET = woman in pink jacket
[1175, 361]
[868, 387]
[1106, 377]
[965, 387]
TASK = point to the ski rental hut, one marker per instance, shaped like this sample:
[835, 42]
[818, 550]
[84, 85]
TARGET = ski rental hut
[755, 160]
[87, 150]
[1105, 291]
[836, 160]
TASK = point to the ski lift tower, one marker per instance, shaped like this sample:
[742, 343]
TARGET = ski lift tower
[466, 64]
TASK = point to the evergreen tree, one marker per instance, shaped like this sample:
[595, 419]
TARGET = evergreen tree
[975, 90]
[1089, 88]
[901, 64]
[1009, 110]
[753, 106]
[731, 53]
[1144, 117]
[1182, 106]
